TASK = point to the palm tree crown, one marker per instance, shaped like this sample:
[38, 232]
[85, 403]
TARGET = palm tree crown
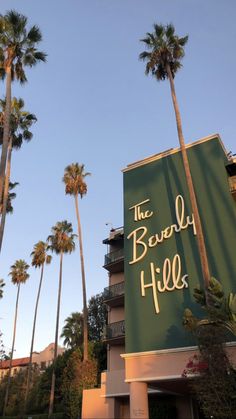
[2, 285]
[18, 272]
[62, 238]
[17, 45]
[166, 49]
[20, 122]
[72, 332]
[11, 196]
[39, 254]
[74, 179]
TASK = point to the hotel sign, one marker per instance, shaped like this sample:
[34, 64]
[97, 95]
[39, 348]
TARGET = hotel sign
[169, 277]
[162, 264]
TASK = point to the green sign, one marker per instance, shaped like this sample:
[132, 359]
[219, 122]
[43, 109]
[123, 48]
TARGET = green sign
[162, 264]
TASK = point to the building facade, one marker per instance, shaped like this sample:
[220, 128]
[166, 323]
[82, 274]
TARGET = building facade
[153, 267]
[42, 359]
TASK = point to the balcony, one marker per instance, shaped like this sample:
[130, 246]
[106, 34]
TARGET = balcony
[114, 295]
[114, 333]
[114, 261]
[232, 185]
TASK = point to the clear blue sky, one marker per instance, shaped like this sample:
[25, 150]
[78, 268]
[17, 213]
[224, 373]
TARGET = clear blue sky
[95, 106]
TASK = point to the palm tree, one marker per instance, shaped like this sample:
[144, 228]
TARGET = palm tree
[20, 122]
[17, 51]
[72, 332]
[2, 285]
[19, 276]
[75, 185]
[166, 50]
[220, 309]
[11, 196]
[60, 241]
[39, 258]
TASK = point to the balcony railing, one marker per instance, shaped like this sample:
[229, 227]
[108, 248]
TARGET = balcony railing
[114, 256]
[116, 290]
[114, 330]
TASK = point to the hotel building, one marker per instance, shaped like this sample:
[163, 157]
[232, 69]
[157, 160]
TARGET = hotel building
[153, 266]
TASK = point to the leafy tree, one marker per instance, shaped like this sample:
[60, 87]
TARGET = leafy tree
[20, 123]
[72, 332]
[97, 317]
[16, 397]
[77, 376]
[164, 55]
[214, 383]
[74, 179]
[19, 275]
[38, 401]
[213, 378]
[17, 51]
[39, 258]
[60, 241]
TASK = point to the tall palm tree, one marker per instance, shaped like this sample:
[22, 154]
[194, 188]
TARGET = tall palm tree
[17, 51]
[39, 258]
[163, 59]
[74, 179]
[72, 332]
[60, 241]
[20, 123]
[2, 285]
[19, 275]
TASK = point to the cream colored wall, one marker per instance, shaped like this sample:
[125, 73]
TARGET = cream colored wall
[115, 360]
[114, 383]
[116, 278]
[157, 365]
[116, 314]
[94, 406]
[47, 355]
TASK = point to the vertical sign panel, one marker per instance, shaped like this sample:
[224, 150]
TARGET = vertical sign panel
[162, 264]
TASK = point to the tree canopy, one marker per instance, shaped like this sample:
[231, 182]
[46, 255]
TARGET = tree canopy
[18, 45]
[18, 272]
[73, 178]
[165, 49]
[62, 238]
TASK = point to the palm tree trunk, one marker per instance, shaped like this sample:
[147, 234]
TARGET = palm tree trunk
[6, 130]
[200, 236]
[12, 351]
[85, 309]
[52, 393]
[32, 340]
[5, 193]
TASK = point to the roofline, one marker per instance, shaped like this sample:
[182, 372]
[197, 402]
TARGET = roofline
[169, 152]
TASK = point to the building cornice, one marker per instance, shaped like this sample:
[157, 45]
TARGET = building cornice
[171, 151]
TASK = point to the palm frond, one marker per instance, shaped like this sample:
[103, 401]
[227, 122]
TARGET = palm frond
[34, 35]
[170, 30]
[159, 30]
